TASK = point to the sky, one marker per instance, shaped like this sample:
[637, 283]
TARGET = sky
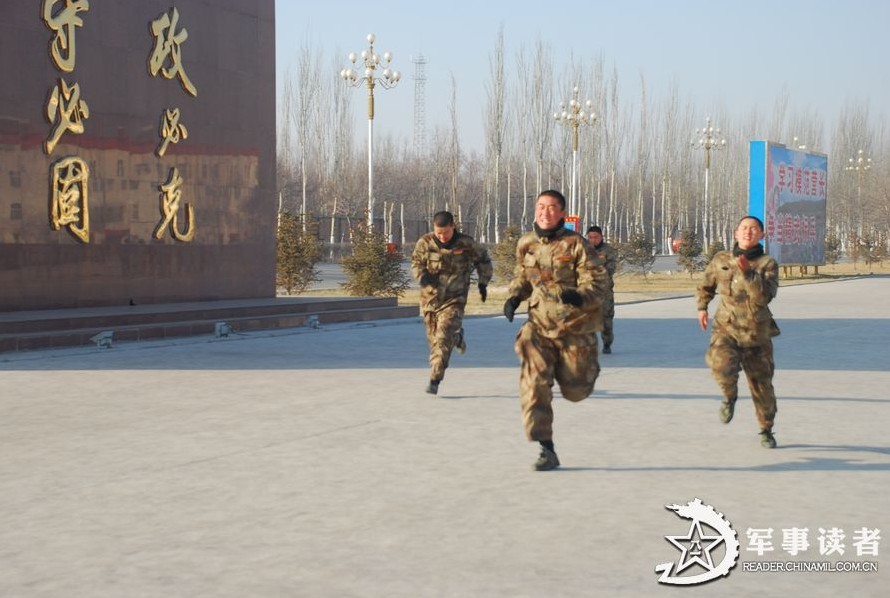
[724, 56]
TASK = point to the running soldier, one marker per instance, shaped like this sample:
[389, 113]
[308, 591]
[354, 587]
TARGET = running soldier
[605, 255]
[443, 261]
[565, 290]
[746, 280]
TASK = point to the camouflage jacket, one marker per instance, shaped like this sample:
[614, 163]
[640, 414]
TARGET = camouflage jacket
[606, 256]
[450, 267]
[742, 313]
[547, 266]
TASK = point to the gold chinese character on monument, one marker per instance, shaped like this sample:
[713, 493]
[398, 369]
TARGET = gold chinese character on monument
[66, 111]
[171, 196]
[62, 23]
[171, 130]
[166, 57]
[70, 202]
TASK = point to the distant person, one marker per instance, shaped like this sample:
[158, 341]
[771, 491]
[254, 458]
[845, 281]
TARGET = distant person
[746, 280]
[555, 272]
[605, 255]
[443, 261]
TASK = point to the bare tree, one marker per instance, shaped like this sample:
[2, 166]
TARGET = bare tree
[615, 125]
[454, 157]
[642, 160]
[338, 142]
[522, 118]
[541, 108]
[593, 143]
[495, 128]
[286, 150]
[305, 110]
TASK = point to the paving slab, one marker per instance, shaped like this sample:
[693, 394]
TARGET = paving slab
[310, 462]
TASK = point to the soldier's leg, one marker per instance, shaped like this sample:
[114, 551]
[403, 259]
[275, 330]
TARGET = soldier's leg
[537, 356]
[759, 368]
[577, 367]
[458, 342]
[431, 322]
[448, 323]
[608, 323]
[723, 357]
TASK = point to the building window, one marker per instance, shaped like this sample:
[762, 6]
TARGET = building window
[15, 211]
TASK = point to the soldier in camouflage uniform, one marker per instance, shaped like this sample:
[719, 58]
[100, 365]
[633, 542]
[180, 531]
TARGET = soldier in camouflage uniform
[443, 261]
[605, 255]
[565, 289]
[746, 280]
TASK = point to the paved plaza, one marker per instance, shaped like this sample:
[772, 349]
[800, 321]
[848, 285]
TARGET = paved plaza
[310, 463]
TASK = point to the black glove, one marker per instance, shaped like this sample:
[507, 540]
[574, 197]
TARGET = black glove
[483, 292]
[571, 297]
[428, 280]
[510, 307]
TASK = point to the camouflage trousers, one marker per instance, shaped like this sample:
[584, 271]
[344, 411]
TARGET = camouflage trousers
[571, 360]
[726, 358]
[608, 333]
[442, 327]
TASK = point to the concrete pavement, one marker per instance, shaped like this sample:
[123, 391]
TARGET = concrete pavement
[310, 462]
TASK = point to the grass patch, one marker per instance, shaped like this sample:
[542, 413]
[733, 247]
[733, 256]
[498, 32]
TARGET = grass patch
[631, 287]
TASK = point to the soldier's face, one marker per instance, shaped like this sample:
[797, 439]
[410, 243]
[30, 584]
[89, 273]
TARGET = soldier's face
[748, 234]
[548, 212]
[444, 233]
[595, 238]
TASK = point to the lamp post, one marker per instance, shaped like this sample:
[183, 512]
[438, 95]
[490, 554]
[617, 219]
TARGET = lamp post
[371, 61]
[707, 140]
[574, 116]
[859, 165]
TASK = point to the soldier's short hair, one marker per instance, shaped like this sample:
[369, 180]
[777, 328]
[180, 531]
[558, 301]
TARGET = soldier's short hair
[556, 195]
[754, 218]
[594, 229]
[443, 219]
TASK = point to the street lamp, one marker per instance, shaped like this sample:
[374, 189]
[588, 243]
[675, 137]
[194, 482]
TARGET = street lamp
[859, 165]
[371, 61]
[574, 116]
[707, 140]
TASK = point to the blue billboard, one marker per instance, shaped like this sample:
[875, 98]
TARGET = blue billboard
[787, 190]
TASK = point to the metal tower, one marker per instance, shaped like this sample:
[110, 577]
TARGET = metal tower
[419, 103]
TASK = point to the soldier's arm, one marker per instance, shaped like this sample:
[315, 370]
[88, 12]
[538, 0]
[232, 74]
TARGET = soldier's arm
[708, 288]
[520, 286]
[593, 280]
[612, 262]
[762, 285]
[418, 259]
[483, 264]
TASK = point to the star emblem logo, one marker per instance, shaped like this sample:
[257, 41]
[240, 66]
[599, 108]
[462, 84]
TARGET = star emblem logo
[708, 530]
[695, 547]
